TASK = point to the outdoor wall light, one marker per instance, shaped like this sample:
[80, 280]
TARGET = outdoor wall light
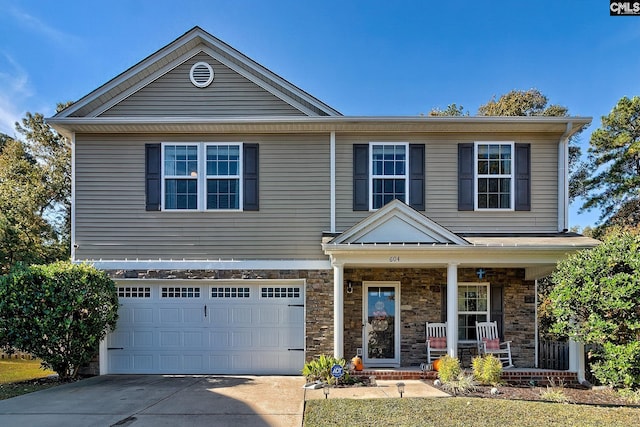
[349, 287]
[325, 390]
[400, 388]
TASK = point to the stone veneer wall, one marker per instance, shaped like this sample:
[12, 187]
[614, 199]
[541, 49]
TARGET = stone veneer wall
[318, 292]
[421, 301]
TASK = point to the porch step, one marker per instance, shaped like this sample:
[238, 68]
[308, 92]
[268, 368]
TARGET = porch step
[526, 376]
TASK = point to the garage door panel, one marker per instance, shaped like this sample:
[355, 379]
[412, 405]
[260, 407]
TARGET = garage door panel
[241, 315]
[170, 339]
[241, 332]
[269, 315]
[218, 316]
[142, 339]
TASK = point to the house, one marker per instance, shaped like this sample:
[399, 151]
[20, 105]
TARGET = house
[250, 227]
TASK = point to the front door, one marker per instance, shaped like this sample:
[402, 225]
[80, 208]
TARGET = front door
[381, 312]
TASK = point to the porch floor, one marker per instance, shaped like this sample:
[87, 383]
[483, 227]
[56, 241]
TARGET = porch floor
[525, 376]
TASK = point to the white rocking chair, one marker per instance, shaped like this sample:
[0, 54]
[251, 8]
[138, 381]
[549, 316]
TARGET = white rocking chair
[436, 334]
[489, 343]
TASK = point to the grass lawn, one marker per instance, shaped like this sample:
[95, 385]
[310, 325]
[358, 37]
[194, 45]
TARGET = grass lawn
[15, 376]
[461, 411]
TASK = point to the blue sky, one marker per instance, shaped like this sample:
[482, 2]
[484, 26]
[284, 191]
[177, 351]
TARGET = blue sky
[361, 57]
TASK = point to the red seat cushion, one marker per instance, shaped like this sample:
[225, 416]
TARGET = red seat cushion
[492, 344]
[438, 342]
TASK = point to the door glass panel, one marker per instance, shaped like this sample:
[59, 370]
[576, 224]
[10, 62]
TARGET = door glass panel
[380, 329]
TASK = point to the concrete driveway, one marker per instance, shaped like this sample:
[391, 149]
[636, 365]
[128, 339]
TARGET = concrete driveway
[155, 400]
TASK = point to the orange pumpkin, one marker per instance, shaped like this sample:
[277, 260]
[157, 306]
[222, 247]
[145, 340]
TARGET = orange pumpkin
[436, 364]
[357, 363]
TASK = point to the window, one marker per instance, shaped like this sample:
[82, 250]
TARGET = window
[494, 176]
[180, 293]
[134, 292]
[473, 306]
[389, 173]
[230, 292]
[223, 176]
[185, 187]
[280, 292]
[181, 177]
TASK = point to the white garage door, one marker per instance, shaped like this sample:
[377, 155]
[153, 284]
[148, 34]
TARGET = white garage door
[208, 329]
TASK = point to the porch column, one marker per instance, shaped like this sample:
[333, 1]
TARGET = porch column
[452, 309]
[576, 359]
[338, 310]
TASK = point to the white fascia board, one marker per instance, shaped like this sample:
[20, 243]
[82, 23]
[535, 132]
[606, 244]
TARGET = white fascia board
[438, 254]
[127, 264]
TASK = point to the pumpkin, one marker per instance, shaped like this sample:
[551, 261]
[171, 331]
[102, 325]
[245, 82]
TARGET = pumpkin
[436, 364]
[357, 363]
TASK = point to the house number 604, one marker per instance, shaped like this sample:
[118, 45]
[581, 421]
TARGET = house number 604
[394, 259]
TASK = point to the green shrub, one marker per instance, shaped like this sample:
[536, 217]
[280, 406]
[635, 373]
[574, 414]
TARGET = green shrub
[462, 384]
[487, 369]
[618, 365]
[58, 312]
[320, 369]
[449, 369]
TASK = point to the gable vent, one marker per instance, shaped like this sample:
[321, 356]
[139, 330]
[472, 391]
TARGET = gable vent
[201, 74]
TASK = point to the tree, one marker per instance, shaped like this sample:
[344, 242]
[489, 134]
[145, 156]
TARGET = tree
[58, 312]
[596, 300]
[522, 103]
[35, 193]
[452, 110]
[614, 156]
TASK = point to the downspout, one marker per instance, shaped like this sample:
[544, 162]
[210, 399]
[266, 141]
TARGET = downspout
[73, 197]
[563, 180]
[536, 330]
[332, 154]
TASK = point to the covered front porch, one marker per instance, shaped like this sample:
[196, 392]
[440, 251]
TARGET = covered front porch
[397, 270]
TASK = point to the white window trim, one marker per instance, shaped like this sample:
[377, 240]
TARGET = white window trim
[487, 312]
[372, 177]
[202, 176]
[476, 176]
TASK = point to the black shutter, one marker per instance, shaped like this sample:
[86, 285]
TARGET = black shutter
[360, 177]
[496, 307]
[523, 177]
[465, 177]
[250, 177]
[416, 176]
[152, 176]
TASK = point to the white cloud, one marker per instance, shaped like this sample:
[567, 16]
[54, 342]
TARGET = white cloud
[52, 34]
[14, 91]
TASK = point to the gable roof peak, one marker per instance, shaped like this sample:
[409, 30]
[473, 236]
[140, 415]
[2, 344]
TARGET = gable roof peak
[163, 60]
[397, 222]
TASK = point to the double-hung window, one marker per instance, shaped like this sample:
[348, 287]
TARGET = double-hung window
[473, 306]
[494, 176]
[389, 173]
[223, 176]
[202, 176]
[181, 176]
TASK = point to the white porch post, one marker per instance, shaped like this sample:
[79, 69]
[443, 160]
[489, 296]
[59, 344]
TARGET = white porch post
[452, 309]
[576, 359]
[338, 310]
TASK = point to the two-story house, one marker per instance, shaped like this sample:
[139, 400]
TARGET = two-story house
[250, 227]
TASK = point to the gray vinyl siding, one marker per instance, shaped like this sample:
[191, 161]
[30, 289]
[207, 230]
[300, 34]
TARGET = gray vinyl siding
[442, 181]
[111, 221]
[229, 95]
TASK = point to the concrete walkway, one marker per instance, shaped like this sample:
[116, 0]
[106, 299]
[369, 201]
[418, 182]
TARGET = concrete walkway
[384, 389]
